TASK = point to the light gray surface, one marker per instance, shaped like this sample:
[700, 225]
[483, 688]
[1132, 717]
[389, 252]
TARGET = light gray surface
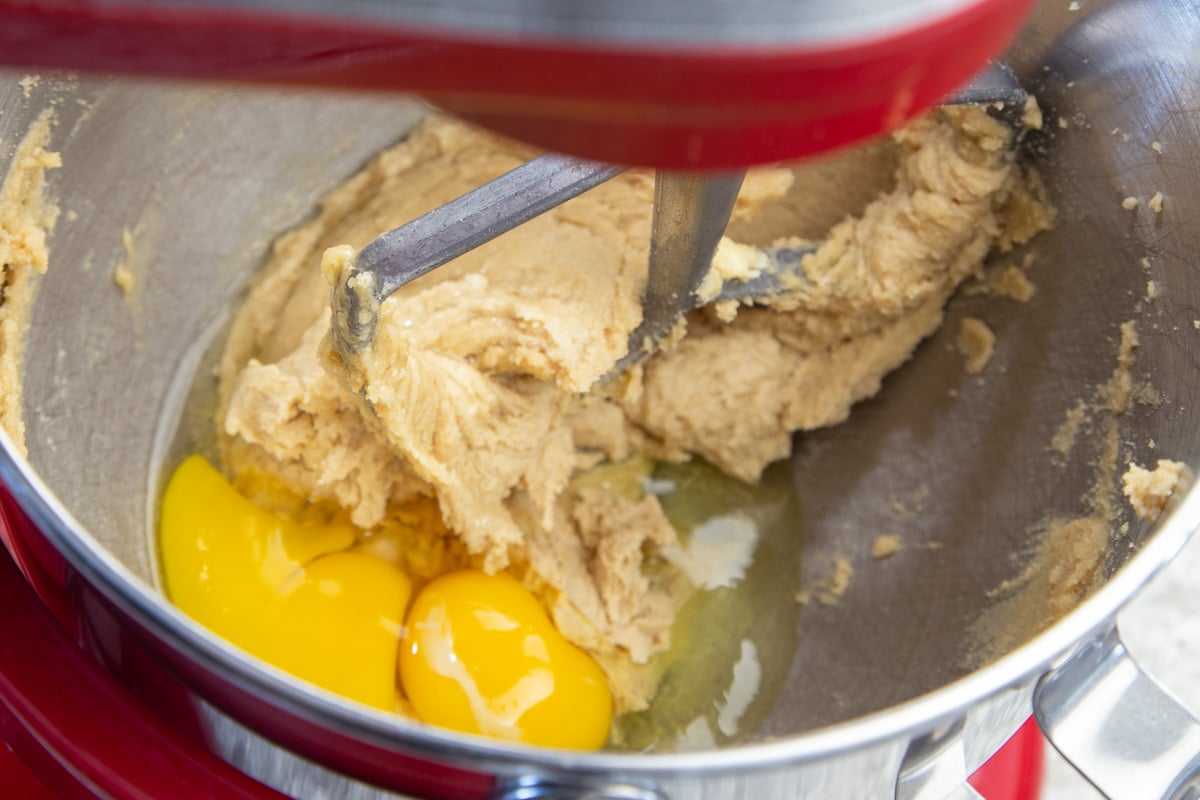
[1162, 630]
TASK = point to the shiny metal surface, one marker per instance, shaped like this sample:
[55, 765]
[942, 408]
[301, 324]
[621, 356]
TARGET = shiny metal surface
[886, 665]
[1118, 727]
[670, 23]
[535, 789]
[690, 214]
[429, 241]
[964, 792]
[935, 768]
[863, 772]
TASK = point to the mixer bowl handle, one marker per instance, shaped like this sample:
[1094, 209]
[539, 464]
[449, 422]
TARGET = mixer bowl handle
[1117, 726]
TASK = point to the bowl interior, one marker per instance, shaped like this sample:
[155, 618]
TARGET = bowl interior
[187, 187]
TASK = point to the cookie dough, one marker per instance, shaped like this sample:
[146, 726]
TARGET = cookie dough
[26, 218]
[1148, 490]
[977, 342]
[481, 387]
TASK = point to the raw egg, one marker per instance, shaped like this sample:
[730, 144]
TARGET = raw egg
[479, 655]
[291, 594]
[476, 653]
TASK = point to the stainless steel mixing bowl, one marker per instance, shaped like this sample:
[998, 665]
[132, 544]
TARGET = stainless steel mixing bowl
[887, 695]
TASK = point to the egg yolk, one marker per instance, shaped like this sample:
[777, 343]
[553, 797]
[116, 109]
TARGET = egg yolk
[479, 655]
[291, 594]
[476, 652]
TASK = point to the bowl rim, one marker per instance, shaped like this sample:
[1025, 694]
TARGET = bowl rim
[151, 610]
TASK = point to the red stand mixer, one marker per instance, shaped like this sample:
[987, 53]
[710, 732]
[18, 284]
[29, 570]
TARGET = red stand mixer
[704, 85]
[679, 85]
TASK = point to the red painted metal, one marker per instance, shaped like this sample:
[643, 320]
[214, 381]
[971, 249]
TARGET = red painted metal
[633, 104]
[1016, 771]
[80, 732]
[17, 781]
[42, 566]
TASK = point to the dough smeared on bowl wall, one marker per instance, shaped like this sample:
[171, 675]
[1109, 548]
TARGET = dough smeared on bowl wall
[26, 218]
[1149, 490]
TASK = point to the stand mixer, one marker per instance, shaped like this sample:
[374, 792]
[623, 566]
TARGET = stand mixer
[898, 711]
[679, 86]
[697, 130]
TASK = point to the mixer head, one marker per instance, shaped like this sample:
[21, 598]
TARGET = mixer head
[679, 84]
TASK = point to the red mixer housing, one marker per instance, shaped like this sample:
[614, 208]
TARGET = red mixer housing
[706, 104]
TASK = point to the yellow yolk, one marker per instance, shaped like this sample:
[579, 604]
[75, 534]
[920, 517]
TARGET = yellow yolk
[480, 655]
[283, 591]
